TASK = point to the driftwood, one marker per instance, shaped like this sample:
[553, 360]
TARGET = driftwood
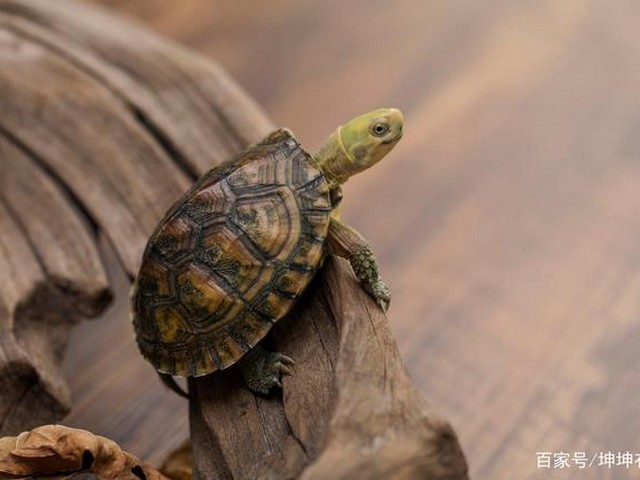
[102, 126]
[349, 411]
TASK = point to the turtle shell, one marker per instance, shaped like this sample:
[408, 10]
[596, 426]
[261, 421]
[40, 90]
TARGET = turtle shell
[230, 258]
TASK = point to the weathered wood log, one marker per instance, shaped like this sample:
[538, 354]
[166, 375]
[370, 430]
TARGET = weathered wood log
[349, 411]
[117, 122]
[51, 276]
[102, 125]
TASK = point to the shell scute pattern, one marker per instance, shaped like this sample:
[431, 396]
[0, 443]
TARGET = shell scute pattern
[234, 262]
[176, 243]
[230, 258]
[270, 221]
[204, 297]
[209, 205]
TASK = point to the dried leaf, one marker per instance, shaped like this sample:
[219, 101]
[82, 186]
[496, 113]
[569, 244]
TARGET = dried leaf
[54, 449]
[179, 464]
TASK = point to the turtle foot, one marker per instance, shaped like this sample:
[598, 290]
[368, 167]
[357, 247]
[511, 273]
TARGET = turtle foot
[262, 370]
[381, 293]
[365, 267]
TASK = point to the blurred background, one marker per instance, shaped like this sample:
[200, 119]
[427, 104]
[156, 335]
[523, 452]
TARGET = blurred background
[506, 221]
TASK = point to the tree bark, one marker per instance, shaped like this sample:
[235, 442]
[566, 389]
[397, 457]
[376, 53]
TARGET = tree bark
[102, 126]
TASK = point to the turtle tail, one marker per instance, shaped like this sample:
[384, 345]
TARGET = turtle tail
[171, 384]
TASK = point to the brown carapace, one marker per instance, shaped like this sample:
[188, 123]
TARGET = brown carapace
[231, 258]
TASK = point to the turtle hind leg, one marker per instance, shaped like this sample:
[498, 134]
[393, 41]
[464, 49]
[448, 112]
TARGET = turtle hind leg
[262, 370]
[171, 384]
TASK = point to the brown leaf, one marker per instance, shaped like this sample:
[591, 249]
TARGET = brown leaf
[53, 449]
[179, 464]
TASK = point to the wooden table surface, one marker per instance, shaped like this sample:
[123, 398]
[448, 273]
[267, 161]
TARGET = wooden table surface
[507, 221]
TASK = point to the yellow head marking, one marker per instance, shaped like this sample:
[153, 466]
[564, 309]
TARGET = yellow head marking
[359, 144]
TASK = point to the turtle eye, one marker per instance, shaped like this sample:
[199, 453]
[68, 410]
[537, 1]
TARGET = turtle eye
[380, 129]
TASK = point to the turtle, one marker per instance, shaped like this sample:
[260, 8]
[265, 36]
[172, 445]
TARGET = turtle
[235, 252]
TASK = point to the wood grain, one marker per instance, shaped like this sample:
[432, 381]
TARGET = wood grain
[506, 220]
[89, 113]
[349, 410]
[52, 276]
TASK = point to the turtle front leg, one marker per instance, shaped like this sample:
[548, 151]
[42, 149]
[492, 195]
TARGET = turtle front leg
[348, 243]
[262, 370]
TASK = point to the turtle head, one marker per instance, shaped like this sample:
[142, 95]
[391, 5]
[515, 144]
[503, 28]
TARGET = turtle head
[358, 144]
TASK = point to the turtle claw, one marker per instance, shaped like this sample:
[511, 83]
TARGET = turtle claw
[285, 370]
[381, 294]
[262, 370]
[282, 363]
[365, 267]
[285, 359]
[384, 305]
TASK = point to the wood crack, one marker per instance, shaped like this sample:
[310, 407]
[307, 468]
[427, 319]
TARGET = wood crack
[71, 196]
[137, 113]
[163, 140]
